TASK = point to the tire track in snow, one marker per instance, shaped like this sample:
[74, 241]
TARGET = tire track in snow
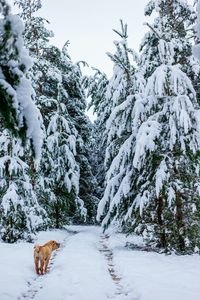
[108, 254]
[38, 282]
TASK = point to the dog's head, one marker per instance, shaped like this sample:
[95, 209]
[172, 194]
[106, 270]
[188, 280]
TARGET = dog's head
[55, 245]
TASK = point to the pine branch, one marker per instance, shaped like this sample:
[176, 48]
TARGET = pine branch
[156, 33]
[123, 33]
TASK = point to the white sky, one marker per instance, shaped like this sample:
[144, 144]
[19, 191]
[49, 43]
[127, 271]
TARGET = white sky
[88, 25]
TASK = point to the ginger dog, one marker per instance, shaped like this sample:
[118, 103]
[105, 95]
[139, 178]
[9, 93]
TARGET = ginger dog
[42, 256]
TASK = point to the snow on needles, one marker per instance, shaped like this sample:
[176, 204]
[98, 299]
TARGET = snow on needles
[147, 134]
[23, 94]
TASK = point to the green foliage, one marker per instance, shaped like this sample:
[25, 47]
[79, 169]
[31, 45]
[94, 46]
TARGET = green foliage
[61, 211]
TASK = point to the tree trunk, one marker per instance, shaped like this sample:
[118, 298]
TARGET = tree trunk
[57, 216]
[179, 222]
[160, 207]
[33, 173]
[179, 214]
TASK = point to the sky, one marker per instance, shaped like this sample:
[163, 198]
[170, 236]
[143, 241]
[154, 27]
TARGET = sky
[88, 24]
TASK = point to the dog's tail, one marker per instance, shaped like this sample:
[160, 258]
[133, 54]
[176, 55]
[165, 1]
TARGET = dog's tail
[37, 248]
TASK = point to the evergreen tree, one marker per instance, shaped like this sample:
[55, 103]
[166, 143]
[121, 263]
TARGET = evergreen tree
[20, 214]
[167, 155]
[61, 201]
[177, 18]
[60, 171]
[19, 113]
[196, 48]
[45, 85]
[153, 178]
[174, 23]
[96, 90]
[36, 35]
[76, 106]
[124, 92]
[60, 168]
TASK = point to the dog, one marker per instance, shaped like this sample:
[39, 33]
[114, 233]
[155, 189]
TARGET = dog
[42, 255]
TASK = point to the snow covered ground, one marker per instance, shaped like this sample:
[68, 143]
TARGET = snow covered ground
[93, 266]
[153, 276]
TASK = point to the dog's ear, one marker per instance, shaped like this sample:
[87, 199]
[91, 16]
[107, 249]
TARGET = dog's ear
[55, 244]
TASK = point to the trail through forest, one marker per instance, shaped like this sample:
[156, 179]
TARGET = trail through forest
[108, 253]
[82, 269]
[91, 265]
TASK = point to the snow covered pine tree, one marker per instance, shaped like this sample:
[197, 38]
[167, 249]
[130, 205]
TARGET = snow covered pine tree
[19, 112]
[167, 154]
[124, 95]
[58, 195]
[153, 179]
[59, 165]
[76, 106]
[196, 48]
[96, 86]
[167, 144]
[20, 213]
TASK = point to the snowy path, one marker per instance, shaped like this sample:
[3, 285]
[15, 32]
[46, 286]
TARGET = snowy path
[108, 253]
[93, 266]
[79, 272]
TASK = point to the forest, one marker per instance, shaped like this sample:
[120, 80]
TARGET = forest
[137, 167]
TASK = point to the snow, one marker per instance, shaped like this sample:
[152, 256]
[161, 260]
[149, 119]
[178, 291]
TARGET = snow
[196, 48]
[164, 277]
[16, 262]
[166, 52]
[147, 134]
[153, 276]
[180, 83]
[139, 202]
[161, 176]
[22, 94]
[79, 270]
[11, 196]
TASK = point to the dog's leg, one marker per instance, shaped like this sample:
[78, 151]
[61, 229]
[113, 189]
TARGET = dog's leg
[36, 259]
[42, 266]
[46, 264]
